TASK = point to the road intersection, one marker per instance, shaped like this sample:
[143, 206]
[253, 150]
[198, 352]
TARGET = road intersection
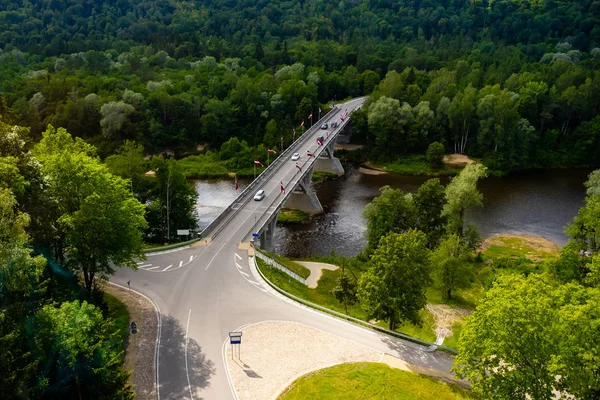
[204, 292]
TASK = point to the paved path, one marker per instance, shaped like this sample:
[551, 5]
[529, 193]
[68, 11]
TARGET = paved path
[316, 271]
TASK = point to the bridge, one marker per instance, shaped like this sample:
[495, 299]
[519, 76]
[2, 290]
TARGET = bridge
[204, 291]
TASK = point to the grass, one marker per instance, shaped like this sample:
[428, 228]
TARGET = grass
[415, 165]
[320, 176]
[370, 381]
[452, 341]
[516, 247]
[289, 264]
[287, 216]
[119, 314]
[203, 167]
[322, 296]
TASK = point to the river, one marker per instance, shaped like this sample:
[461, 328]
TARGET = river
[538, 202]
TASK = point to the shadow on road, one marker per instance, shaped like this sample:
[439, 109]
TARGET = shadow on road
[416, 354]
[173, 376]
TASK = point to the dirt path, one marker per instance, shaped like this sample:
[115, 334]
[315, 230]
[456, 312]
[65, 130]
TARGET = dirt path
[139, 354]
[457, 160]
[316, 270]
[445, 316]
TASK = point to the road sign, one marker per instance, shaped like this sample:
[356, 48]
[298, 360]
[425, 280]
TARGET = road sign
[254, 234]
[133, 328]
[183, 232]
[235, 337]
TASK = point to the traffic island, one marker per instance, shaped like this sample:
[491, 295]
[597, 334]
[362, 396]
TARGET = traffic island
[273, 354]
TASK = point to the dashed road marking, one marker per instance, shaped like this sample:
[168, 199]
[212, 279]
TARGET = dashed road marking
[166, 269]
[243, 273]
[180, 264]
[145, 266]
[238, 256]
[150, 269]
[238, 265]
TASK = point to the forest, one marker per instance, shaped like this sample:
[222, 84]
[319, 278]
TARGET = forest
[510, 82]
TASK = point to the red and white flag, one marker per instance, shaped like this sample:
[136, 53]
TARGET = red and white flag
[319, 142]
[302, 123]
[310, 116]
[256, 162]
[346, 111]
[309, 154]
[294, 133]
[299, 167]
[237, 185]
[342, 118]
[271, 151]
[320, 110]
[282, 187]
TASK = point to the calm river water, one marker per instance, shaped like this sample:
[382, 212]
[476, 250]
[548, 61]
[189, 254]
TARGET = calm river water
[534, 203]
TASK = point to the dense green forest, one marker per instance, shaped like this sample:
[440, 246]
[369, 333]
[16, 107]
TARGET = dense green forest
[171, 75]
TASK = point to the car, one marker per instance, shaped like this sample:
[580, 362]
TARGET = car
[334, 124]
[321, 138]
[295, 157]
[259, 195]
[324, 126]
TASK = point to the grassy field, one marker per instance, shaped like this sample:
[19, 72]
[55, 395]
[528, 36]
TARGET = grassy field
[287, 216]
[289, 264]
[202, 167]
[319, 176]
[370, 381]
[323, 297]
[118, 312]
[415, 165]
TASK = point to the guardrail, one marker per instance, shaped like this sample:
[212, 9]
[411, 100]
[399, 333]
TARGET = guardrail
[280, 267]
[430, 346]
[242, 199]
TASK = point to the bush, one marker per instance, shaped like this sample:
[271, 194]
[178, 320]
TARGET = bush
[435, 155]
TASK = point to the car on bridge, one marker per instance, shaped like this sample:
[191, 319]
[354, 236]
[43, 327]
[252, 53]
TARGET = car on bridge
[295, 157]
[334, 124]
[259, 195]
[324, 126]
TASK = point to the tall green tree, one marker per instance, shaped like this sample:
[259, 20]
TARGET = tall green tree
[393, 288]
[461, 194]
[129, 164]
[450, 265]
[345, 289]
[429, 202]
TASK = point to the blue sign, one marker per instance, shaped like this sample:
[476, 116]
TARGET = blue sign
[254, 234]
[235, 337]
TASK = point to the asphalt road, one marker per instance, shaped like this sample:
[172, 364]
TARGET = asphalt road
[209, 291]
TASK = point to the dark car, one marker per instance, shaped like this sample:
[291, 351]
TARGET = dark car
[324, 126]
[334, 124]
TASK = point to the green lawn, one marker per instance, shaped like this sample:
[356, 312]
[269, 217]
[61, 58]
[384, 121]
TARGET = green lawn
[119, 314]
[202, 167]
[301, 270]
[287, 216]
[415, 165]
[323, 297]
[370, 381]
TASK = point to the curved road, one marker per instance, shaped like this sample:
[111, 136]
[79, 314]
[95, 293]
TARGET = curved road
[205, 292]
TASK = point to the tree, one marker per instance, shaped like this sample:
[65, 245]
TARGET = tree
[461, 115]
[79, 353]
[345, 290]
[128, 163]
[114, 115]
[393, 288]
[435, 155]
[450, 265]
[462, 193]
[528, 338]
[429, 203]
[391, 211]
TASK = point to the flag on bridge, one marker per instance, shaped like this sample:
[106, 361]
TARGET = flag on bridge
[293, 134]
[299, 167]
[302, 123]
[319, 142]
[256, 162]
[346, 111]
[310, 116]
[271, 151]
[309, 154]
[282, 187]
[342, 118]
[237, 185]
[320, 110]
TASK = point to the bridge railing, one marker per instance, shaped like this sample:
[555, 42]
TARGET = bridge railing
[231, 211]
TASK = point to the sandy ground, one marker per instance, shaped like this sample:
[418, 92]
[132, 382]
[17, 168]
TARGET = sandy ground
[275, 353]
[368, 169]
[457, 160]
[347, 146]
[538, 243]
[316, 270]
[139, 353]
[445, 316]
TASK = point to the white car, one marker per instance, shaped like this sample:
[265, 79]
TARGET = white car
[295, 157]
[259, 195]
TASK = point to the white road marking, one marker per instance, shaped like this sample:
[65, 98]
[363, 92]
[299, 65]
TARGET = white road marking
[144, 266]
[180, 264]
[238, 256]
[238, 265]
[216, 254]
[243, 273]
[186, 351]
[254, 283]
[191, 259]
[150, 269]
[140, 263]
[166, 269]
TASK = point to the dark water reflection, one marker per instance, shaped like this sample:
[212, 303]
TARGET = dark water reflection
[535, 203]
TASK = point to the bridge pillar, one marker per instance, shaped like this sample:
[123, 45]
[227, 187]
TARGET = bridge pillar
[326, 162]
[266, 236]
[304, 197]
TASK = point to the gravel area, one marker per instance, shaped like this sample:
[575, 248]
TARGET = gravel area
[275, 353]
[316, 270]
[139, 352]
